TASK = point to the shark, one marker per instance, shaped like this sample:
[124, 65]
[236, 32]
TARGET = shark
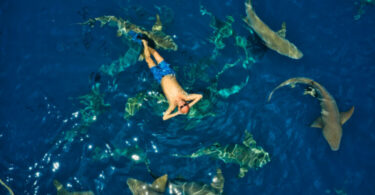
[331, 120]
[62, 191]
[197, 188]
[177, 187]
[159, 38]
[247, 154]
[273, 40]
[138, 187]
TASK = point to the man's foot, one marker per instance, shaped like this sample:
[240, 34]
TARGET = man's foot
[144, 42]
[145, 47]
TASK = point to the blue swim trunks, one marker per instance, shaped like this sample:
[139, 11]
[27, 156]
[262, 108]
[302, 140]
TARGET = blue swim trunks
[161, 70]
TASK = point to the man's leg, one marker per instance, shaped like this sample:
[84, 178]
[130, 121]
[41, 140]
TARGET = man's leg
[148, 58]
[156, 55]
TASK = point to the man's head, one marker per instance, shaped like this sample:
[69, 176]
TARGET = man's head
[184, 107]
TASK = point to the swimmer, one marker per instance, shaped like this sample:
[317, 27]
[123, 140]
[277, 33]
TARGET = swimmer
[176, 96]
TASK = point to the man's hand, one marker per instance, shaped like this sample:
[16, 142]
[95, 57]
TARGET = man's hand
[194, 98]
[167, 114]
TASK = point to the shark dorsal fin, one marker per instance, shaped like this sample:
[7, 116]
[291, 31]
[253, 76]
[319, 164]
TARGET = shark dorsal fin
[318, 123]
[248, 141]
[218, 181]
[282, 31]
[159, 183]
[158, 26]
[345, 116]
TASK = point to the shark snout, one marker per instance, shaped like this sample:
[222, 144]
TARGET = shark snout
[333, 134]
[298, 55]
[335, 148]
[334, 143]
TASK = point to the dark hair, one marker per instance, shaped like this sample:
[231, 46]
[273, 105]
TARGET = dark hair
[186, 104]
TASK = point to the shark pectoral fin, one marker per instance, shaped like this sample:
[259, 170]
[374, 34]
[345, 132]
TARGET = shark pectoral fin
[159, 183]
[243, 171]
[246, 20]
[7, 187]
[158, 26]
[218, 181]
[282, 31]
[345, 116]
[318, 123]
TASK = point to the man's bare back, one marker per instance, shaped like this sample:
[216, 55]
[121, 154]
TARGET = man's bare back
[175, 94]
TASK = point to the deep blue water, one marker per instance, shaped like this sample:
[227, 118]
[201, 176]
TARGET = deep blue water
[46, 60]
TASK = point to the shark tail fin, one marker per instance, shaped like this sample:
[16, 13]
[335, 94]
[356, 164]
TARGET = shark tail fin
[292, 83]
[218, 181]
[160, 183]
[248, 5]
[7, 187]
[90, 22]
[345, 116]
[273, 91]
[249, 12]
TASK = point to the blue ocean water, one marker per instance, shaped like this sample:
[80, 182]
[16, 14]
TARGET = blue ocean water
[46, 60]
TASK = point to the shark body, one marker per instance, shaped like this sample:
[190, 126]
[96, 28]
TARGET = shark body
[273, 40]
[160, 39]
[247, 155]
[198, 188]
[158, 187]
[138, 187]
[331, 120]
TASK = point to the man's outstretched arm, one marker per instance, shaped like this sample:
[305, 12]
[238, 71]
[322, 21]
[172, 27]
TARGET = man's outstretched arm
[194, 98]
[167, 114]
